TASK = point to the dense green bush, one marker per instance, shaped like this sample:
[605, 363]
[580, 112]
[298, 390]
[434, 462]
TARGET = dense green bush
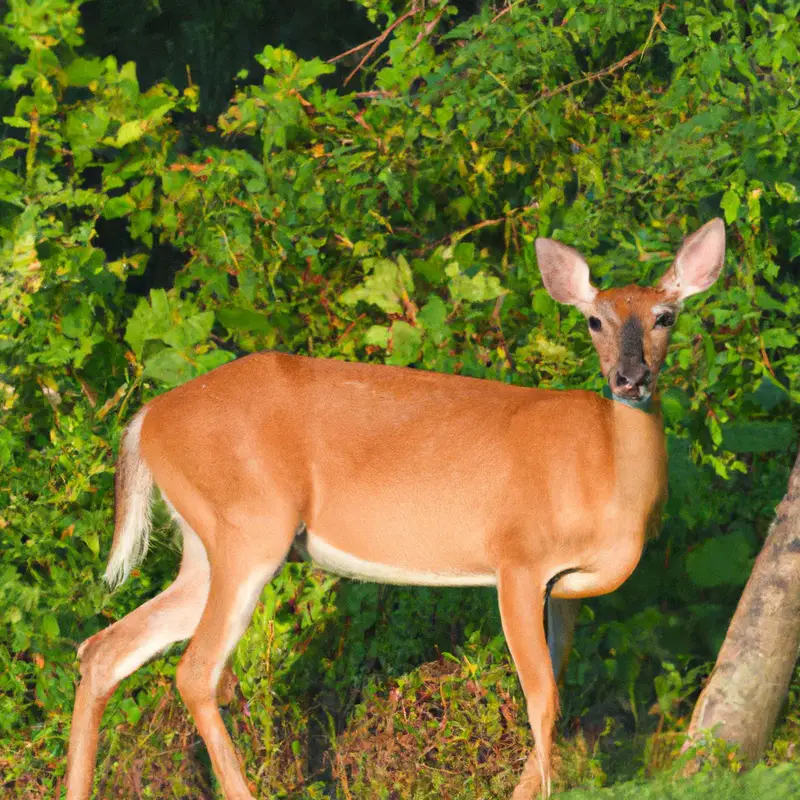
[394, 223]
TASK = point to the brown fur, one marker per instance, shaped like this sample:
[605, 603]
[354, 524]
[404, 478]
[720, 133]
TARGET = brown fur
[614, 306]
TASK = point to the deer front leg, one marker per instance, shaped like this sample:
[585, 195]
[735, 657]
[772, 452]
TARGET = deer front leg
[521, 593]
[226, 689]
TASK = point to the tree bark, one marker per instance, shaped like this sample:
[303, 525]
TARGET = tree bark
[748, 685]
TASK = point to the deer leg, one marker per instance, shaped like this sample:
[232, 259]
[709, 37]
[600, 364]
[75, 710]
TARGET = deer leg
[236, 583]
[562, 616]
[119, 650]
[521, 595]
[227, 685]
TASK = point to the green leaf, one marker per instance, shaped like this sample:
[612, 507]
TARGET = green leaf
[149, 321]
[377, 335]
[722, 561]
[84, 130]
[169, 366]
[433, 317]
[779, 337]
[131, 711]
[477, 289]
[406, 342]
[16, 122]
[212, 359]
[50, 626]
[769, 394]
[313, 69]
[757, 436]
[191, 331]
[118, 206]
[162, 316]
[6, 446]
[243, 319]
[674, 405]
[543, 304]
[82, 71]
[130, 131]
[92, 541]
[766, 302]
[730, 205]
[786, 191]
[386, 283]
[714, 429]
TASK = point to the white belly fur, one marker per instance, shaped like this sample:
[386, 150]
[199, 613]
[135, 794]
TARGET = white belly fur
[340, 562]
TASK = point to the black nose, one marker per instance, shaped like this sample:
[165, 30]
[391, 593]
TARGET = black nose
[633, 375]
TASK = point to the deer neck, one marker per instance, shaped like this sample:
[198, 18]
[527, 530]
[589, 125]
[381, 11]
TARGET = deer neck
[640, 458]
[646, 405]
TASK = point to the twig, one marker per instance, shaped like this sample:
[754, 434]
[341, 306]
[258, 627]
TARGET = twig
[343, 776]
[428, 29]
[230, 251]
[505, 11]
[352, 50]
[765, 357]
[496, 319]
[379, 40]
[349, 328]
[656, 21]
[487, 223]
[374, 93]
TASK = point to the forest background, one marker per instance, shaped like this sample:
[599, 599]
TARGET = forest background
[182, 183]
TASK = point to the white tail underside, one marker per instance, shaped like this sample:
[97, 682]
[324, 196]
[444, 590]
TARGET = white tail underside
[132, 534]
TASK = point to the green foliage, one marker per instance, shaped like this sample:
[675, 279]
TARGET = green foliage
[394, 224]
[783, 782]
[784, 743]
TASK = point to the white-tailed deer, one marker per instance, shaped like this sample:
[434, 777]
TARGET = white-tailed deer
[398, 476]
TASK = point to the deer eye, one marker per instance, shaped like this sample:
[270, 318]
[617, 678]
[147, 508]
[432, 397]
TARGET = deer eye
[595, 324]
[665, 320]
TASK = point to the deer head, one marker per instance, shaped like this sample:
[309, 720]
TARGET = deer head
[630, 326]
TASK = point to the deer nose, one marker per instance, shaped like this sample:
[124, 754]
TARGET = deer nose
[632, 375]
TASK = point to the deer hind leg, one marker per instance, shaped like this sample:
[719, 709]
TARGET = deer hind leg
[521, 597]
[562, 617]
[238, 577]
[119, 650]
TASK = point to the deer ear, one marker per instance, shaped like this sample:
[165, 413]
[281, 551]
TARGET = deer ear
[698, 263]
[565, 273]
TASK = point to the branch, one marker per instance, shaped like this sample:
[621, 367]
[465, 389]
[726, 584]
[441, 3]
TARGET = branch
[428, 29]
[546, 94]
[509, 7]
[378, 41]
[352, 50]
[454, 238]
[487, 223]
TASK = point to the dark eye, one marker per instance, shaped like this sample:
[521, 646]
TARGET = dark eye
[595, 324]
[665, 320]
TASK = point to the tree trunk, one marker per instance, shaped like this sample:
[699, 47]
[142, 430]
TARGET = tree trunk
[745, 691]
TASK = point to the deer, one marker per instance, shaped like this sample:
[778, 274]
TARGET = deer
[395, 475]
